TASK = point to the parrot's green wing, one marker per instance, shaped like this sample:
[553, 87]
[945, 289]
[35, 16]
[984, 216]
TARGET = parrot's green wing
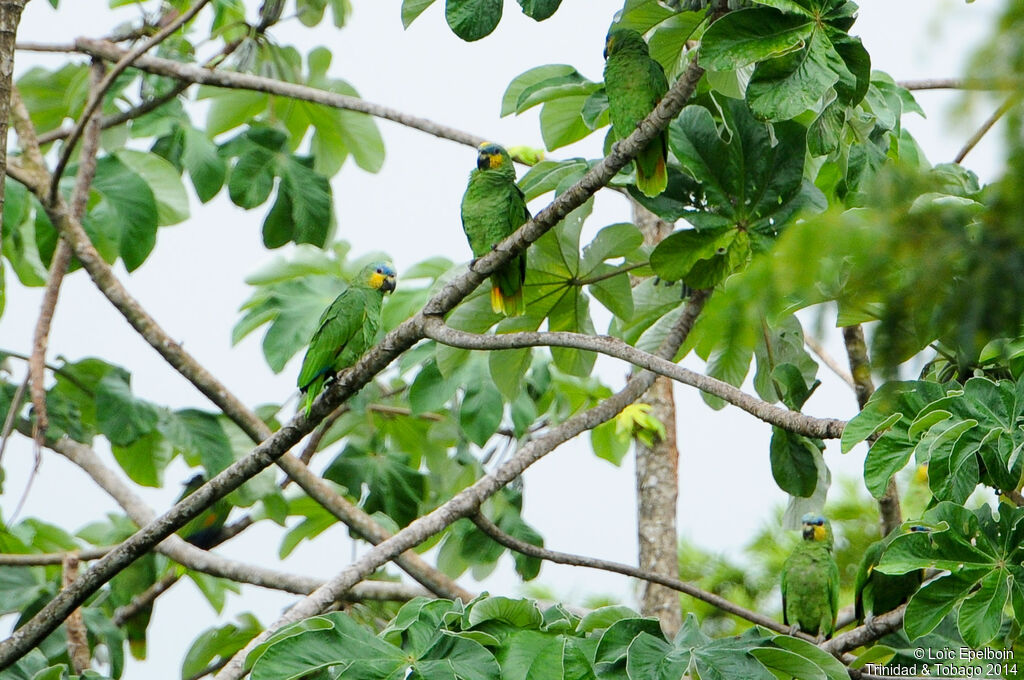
[635, 84]
[810, 590]
[493, 207]
[339, 339]
[862, 587]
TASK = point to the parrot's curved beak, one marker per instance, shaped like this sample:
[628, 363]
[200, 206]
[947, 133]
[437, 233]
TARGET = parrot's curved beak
[388, 285]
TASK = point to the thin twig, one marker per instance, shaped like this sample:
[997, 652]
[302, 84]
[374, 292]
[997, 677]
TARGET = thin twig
[1010, 102]
[50, 559]
[97, 94]
[827, 359]
[512, 543]
[12, 413]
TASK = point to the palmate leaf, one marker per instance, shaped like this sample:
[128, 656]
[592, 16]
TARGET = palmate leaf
[967, 434]
[751, 185]
[801, 51]
[395, 488]
[983, 554]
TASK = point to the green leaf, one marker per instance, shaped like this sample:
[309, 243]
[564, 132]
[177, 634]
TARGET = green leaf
[529, 80]
[412, 9]
[395, 487]
[799, 56]
[220, 643]
[561, 121]
[127, 212]
[549, 175]
[144, 458]
[481, 412]
[121, 417]
[163, 181]
[230, 109]
[252, 177]
[794, 462]
[206, 168]
[349, 647]
[519, 613]
[539, 10]
[472, 19]
[607, 444]
[199, 438]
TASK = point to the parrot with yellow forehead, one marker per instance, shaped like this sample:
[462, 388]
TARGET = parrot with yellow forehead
[810, 581]
[635, 84]
[346, 329]
[492, 208]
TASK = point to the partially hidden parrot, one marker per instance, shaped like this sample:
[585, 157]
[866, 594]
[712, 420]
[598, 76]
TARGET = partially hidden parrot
[876, 593]
[810, 581]
[204, 531]
[492, 208]
[635, 84]
[346, 329]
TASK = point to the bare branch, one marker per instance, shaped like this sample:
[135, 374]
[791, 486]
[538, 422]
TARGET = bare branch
[97, 94]
[794, 421]
[1010, 102]
[959, 84]
[878, 627]
[827, 359]
[512, 543]
[50, 559]
[245, 81]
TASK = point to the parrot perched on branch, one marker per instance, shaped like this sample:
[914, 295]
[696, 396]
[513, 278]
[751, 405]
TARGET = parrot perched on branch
[635, 84]
[346, 330]
[204, 530]
[810, 581]
[876, 593]
[492, 208]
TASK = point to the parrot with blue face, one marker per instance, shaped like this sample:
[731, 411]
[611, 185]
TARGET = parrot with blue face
[635, 84]
[876, 593]
[492, 208]
[810, 581]
[346, 329]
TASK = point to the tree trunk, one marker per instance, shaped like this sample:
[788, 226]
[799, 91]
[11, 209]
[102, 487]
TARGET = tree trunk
[657, 481]
[10, 15]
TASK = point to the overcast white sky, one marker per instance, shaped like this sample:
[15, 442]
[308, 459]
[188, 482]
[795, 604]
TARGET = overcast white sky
[193, 283]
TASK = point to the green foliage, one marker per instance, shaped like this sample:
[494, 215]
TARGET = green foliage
[966, 434]
[476, 19]
[494, 637]
[982, 555]
[800, 51]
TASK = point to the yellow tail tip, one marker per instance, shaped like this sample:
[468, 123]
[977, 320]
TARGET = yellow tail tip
[509, 305]
[652, 185]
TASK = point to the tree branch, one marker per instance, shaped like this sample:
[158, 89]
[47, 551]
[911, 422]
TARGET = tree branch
[62, 253]
[878, 627]
[50, 559]
[78, 639]
[512, 543]
[468, 501]
[825, 428]
[347, 383]
[1010, 102]
[245, 81]
[890, 514]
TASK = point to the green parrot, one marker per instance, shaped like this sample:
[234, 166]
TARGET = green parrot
[635, 84]
[492, 208]
[810, 581]
[876, 593]
[346, 329]
[204, 531]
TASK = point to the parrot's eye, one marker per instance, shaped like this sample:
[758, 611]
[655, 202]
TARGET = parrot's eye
[379, 271]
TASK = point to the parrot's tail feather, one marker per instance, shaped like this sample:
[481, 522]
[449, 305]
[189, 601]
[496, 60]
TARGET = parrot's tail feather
[652, 185]
[509, 305]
